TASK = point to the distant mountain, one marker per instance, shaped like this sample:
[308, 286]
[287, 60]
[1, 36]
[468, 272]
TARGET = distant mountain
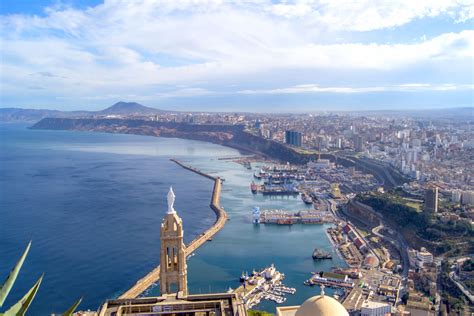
[129, 108]
[26, 115]
[34, 115]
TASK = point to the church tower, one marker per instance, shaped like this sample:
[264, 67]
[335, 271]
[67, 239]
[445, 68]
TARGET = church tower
[173, 274]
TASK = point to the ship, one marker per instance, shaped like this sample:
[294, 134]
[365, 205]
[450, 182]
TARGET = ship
[319, 254]
[256, 215]
[271, 181]
[258, 175]
[306, 198]
[279, 191]
[286, 189]
[285, 221]
[253, 187]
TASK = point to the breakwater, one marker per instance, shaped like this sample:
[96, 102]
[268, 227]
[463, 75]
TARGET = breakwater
[199, 172]
[221, 218]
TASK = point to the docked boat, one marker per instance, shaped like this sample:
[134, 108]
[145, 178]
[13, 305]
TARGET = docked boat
[307, 198]
[253, 187]
[272, 181]
[318, 254]
[285, 189]
[287, 221]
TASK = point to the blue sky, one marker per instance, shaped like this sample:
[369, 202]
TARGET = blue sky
[240, 55]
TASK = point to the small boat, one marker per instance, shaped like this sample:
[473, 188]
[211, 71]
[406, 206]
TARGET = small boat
[253, 187]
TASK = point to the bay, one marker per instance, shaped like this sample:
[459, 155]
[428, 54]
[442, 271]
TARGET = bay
[92, 203]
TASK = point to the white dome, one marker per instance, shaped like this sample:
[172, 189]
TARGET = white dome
[321, 305]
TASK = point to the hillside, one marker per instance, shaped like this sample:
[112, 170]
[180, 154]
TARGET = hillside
[35, 115]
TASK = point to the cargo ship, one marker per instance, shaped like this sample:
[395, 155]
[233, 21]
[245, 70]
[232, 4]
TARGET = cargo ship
[320, 255]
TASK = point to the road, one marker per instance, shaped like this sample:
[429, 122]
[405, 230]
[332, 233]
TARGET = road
[461, 287]
[399, 243]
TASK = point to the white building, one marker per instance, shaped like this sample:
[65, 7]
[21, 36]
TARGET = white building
[321, 164]
[424, 257]
[370, 308]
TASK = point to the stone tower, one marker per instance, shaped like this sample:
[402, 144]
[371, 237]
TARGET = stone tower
[173, 274]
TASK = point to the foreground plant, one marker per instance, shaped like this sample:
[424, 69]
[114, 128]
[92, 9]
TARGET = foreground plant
[20, 307]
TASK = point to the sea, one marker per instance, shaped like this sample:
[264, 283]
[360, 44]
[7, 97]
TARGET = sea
[92, 204]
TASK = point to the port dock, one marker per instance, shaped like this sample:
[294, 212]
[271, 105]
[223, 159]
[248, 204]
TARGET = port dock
[221, 218]
[263, 285]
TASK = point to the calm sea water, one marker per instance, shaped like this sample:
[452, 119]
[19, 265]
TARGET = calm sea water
[92, 203]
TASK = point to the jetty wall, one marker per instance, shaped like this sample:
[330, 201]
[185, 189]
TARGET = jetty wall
[221, 218]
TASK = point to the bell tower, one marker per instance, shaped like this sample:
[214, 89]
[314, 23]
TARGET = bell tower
[173, 274]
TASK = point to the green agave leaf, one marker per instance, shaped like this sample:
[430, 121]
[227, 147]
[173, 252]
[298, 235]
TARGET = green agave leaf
[8, 284]
[72, 308]
[20, 308]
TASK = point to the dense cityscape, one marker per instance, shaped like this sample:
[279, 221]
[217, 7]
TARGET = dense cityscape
[405, 234]
[237, 158]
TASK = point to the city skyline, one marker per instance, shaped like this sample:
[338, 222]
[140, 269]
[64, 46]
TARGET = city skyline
[256, 57]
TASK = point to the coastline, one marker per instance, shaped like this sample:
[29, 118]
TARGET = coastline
[221, 218]
[232, 136]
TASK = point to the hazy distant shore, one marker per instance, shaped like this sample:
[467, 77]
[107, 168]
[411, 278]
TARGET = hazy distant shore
[234, 136]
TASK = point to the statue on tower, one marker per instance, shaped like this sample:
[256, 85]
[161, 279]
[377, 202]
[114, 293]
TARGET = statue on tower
[173, 270]
[171, 198]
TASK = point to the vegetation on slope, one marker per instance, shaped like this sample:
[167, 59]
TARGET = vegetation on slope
[452, 237]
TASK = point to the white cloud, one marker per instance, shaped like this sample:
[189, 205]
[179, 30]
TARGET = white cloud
[366, 15]
[185, 92]
[314, 88]
[136, 47]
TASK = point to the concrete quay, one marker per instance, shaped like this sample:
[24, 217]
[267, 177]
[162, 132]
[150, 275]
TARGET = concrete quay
[221, 218]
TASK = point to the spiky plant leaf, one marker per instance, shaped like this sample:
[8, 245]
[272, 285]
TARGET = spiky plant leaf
[20, 308]
[72, 308]
[8, 284]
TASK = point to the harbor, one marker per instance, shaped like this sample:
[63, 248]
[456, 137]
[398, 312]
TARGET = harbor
[269, 295]
[319, 177]
[324, 186]
[263, 285]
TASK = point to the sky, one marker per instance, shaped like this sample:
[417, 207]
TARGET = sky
[205, 55]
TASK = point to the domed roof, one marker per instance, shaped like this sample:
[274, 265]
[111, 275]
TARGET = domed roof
[321, 305]
[371, 261]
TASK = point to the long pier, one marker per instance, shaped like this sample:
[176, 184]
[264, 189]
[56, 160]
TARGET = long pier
[199, 172]
[221, 218]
